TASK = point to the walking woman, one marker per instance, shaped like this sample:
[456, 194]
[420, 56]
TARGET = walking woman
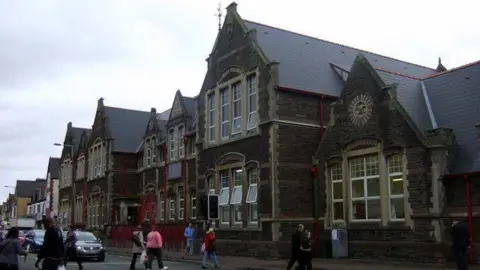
[209, 249]
[10, 248]
[154, 248]
[305, 256]
[71, 252]
[138, 246]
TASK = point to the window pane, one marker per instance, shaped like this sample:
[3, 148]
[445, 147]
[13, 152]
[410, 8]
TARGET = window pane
[225, 213]
[224, 179]
[358, 189]
[358, 210]
[373, 187]
[225, 129]
[338, 210]
[253, 212]
[371, 165]
[373, 209]
[396, 185]
[238, 213]
[237, 177]
[252, 176]
[336, 172]
[338, 190]
[395, 164]
[397, 208]
[357, 168]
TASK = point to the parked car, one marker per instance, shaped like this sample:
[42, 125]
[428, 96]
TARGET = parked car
[87, 247]
[34, 240]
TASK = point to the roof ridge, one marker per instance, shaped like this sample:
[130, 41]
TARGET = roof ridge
[125, 109]
[398, 74]
[452, 70]
[335, 43]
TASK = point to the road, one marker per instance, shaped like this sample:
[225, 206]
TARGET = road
[112, 262]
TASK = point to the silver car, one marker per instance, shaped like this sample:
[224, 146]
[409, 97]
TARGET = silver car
[87, 246]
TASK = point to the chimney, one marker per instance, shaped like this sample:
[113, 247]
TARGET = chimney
[153, 110]
[232, 7]
[69, 125]
[100, 103]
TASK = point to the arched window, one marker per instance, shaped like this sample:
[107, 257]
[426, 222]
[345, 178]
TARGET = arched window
[181, 140]
[172, 144]
[96, 160]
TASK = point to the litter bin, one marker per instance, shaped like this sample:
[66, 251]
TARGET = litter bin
[339, 243]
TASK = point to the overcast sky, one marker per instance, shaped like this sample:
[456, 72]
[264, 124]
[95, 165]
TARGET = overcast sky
[58, 57]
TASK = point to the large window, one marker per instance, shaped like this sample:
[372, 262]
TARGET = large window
[252, 196]
[224, 197]
[395, 188]
[150, 152]
[211, 117]
[78, 209]
[225, 113]
[237, 101]
[252, 102]
[66, 172]
[193, 205]
[181, 141]
[80, 167]
[181, 202]
[237, 108]
[237, 195]
[172, 207]
[365, 188]
[336, 177]
[172, 144]
[162, 206]
[96, 160]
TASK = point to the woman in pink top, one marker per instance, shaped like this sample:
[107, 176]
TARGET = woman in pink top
[154, 248]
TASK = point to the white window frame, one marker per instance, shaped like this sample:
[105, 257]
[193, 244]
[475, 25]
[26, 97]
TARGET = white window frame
[148, 153]
[193, 206]
[153, 148]
[225, 193]
[180, 202]
[181, 141]
[237, 101]
[252, 177]
[334, 181]
[162, 206]
[97, 164]
[67, 166]
[211, 117]
[172, 144]
[211, 184]
[171, 209]
[366, 198]
[224, 113]
[391, 196]
[236, 201]
[80, 167]
[252, 86]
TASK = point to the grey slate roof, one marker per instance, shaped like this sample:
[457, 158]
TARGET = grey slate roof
[455, 99]
[191, 107]
[410, 96]
[77, 136]
[127, 128]
[54, 167]
[25, 188]
[305, 61]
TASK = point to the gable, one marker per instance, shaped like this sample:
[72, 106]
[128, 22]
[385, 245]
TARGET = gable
[177, 107]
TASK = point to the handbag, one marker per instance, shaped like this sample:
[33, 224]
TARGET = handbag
[202, 249]
[143, 257]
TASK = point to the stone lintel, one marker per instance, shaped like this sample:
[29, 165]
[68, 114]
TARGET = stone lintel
[440, 137]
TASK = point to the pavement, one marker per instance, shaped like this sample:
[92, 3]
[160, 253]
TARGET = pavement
[247, 263]
[112, 262]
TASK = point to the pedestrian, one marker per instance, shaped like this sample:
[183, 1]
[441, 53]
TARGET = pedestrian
[138, 246]
[70, 248]
[154, 248]
[53, 251]
[189, 237]
[295, 245]
[209, 249]
[305, 254]
[10, 249]
[461, 243]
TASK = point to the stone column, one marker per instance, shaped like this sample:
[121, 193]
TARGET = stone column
[439, 163]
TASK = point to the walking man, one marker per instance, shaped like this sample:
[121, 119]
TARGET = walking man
[461, 244]
[189, 236]
[295, 245]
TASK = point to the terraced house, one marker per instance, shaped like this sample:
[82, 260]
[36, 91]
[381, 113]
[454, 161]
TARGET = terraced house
[294, 129]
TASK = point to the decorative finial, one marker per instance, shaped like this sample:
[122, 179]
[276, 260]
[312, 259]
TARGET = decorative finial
[219, 16]
[439, 60]
[440, 66]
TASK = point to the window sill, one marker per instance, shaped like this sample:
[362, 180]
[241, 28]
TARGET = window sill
[239, 137]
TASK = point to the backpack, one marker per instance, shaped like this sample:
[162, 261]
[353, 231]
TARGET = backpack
[136, 240]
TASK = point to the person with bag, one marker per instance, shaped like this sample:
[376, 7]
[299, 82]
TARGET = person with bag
[154, 248]
[305, 255]
[71, 252]
[53, 250]
[10, 248]
[138, 246]
[209, 249]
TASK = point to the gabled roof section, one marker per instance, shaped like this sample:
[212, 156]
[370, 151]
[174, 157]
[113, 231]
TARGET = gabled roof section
[54, 167]
[77, 136]
[25, 188]
[305, 61]
[127, 128]
[455, 99]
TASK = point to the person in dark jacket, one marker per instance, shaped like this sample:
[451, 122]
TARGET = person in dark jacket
[305, 254]
[461, 243]
[70, 251]
[295, 245]
[10, 249]
[52, 252]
